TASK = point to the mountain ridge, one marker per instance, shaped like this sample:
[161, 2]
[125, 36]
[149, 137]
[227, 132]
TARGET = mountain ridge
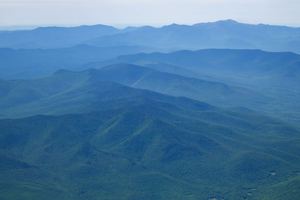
[219, 34]
[63, 82]
[146, 142]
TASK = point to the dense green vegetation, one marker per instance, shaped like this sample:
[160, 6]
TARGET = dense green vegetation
[126, 143]
[153, 146]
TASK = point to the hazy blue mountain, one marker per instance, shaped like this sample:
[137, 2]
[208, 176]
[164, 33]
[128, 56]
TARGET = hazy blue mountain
[276, 75]
[220, 34]
[221, 61]
[18, 92]
[87, 113]
[69, 92]
[251, 68]
[216, 93]
[53, 37]
[243, 75]
[31, 63]
[146, 146]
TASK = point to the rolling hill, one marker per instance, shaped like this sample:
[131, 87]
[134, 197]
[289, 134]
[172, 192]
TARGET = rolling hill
[63, 85]
[33, 63]
[125, 143]
[69, 92]
[276, 75]
[222, 62]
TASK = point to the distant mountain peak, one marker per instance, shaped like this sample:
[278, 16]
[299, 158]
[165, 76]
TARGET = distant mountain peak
[221, 22]
[228, 21]
[96, 26]
[174, 25]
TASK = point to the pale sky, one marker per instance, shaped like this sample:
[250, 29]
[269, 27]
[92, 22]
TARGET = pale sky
[146, 12]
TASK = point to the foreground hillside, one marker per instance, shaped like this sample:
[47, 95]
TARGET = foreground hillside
[103, 140]
[148, 152]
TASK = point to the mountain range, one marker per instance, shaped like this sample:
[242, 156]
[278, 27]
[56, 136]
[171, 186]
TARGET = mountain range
[207, 111]
[33, 63]
[220, 34]
[270, 81]
[82, 137]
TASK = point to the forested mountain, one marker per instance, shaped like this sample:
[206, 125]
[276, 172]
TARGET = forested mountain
[105, 140]
[63, 83]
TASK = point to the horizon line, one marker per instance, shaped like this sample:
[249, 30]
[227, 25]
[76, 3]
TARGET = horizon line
[124, 25]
